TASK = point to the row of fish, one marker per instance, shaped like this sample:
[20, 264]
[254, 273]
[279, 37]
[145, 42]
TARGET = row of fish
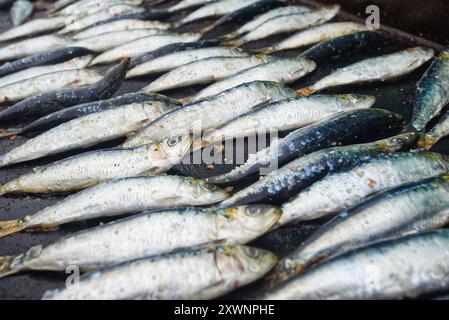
[341, 157]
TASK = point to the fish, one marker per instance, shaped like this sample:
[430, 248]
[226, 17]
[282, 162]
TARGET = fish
[315, 35]
[59, 117]
[382, 68]
[47, 82]
[171, 48]
[86, 8]
[95, 167]
[21, 10]
[440, 131]
[294, 177]
[145, 235]
[216, 9]
[211, 112]
[91, 19]
[140, 46]
[33, 46]
[204, 71]
[194, 274]
[244, 13]
[48, 102]
[87, 131]
[284, 70]
[119, 197]
[288, 23]
[402, 210]
[60, 4]
[404, 267]
[111, 40]
[33, 27]
[73, 64]
[349, 127]
[359, 182]
[186, 4]
[174, 60]
[144, 15]
[121, 25]
[42, 59]
[432, 93]
[261, 19]
[288, 114]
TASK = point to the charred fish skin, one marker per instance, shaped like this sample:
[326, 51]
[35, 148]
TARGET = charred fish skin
[315, 35]
[152, 234]
[432, 92]
[210, 112]
[178, 59]
[284, 70]
[191, 274]
[46, 58]
[366, 179]
[204, 71]
[49, 102]
[383, 68]
[299, 174]
[289, 23]
[404, 267]
[87, 131]
[119, 197]
[288, 114]
[171, 49]
[33, 27]
[349, 127]
[91, 168]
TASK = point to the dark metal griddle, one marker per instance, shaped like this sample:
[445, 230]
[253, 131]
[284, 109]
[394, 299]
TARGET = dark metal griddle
[425, 27]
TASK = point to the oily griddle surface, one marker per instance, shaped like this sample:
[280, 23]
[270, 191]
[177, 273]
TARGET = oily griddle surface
[396, 96]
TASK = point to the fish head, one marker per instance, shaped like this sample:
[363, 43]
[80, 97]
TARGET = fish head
[357, 101]
[241, 265]
[400, 142]
[206, 192]
[175, 148]
[245, 223]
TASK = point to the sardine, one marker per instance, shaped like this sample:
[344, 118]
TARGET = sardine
[186, 4]
[121, 25]
[33, 46]
[342, 190]
[75, 63]
[20, 11]
[110, 40]
[299, 174]
[289, 23]
[88, 131]
[383, 68]
[204, 71]
[91, 168]
[432, 93]
[399, 211]
[178, 59]
[147, 234]
[285, 70]
[216, 9]
[36, 26]
[119, 197]
[391, 269]
[140, 46]
[288, 114]
[440, 131]
[261, 19]
[53, 101]
[85, 8]
[46, 58]
[144, 15]
[211, 112]
[316, 34]
[193, 274]
[60, 4]
[47, 82]
[356, 126]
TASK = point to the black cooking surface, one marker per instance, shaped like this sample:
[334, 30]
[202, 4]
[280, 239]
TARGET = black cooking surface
[396, 96]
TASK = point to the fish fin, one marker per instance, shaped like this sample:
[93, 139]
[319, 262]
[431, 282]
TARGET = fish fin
[10, 227]
[10, 132]
[426, 142]
[6, 268]
[305, 92]
[266, 51]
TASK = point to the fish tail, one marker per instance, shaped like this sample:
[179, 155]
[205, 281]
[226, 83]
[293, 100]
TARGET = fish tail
[6, 267]
[281, 273]
[229, 36]
[10, 227]
[10, 132]
[305, 92]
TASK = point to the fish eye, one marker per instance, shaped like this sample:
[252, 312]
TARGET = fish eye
[173, 141]
[252, 211]
[210, 187]
[252, 253]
